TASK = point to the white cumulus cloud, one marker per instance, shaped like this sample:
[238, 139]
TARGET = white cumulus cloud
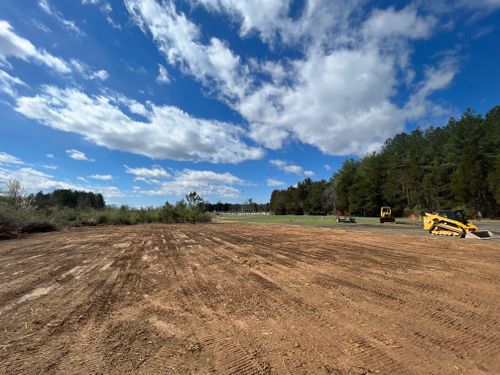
[163, 77]
[404, 23]
[274, 183]
[168, 132]
[102, 177]
[87, 73]
[153, 172]
[267, 16]
[77, 155]
[8, 83]
[337, 95]
[34, 180]
[205, 183]
[12, 45]
[50, 166]
[6, 158]
[179, 40]
[288, 167]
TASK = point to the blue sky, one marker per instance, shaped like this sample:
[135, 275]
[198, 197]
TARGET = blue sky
[146, 100]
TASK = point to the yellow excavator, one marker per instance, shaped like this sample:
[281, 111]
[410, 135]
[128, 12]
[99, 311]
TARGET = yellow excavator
[453, 223]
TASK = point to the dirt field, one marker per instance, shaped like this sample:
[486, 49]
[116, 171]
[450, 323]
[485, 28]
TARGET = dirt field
[248, 299]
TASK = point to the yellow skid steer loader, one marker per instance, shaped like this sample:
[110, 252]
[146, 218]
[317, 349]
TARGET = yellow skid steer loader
[386, 215]
[453, 223]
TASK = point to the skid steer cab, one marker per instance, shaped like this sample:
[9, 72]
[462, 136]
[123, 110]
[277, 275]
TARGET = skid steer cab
[386, 215]
[453, 223]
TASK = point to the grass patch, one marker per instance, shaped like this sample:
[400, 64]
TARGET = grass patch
[324, 221]
[296, 219]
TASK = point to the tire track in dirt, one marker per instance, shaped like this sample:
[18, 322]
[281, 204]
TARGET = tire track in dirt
[232, 354]
[95, 300]
[251, 299]
[298, 306]
[385, 295]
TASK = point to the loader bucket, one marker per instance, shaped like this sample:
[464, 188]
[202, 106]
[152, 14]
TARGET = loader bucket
[479, 234]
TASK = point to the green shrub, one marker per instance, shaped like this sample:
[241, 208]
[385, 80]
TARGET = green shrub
[91, 217]
[62, 217]
[204, 217]
[14, 221]
[11, 222]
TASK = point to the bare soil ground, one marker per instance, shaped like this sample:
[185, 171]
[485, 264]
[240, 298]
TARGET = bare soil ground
[248, 299]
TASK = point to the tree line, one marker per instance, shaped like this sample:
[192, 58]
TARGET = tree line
[308, 197]
[247, 207]
[68, 198]
[454, 166]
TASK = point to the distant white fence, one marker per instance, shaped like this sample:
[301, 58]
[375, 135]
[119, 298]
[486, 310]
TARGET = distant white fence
[242, 213]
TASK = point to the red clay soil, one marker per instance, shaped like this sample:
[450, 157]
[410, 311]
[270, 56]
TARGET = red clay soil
[248, 299]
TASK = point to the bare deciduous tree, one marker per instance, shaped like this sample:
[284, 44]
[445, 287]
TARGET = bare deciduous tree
[14, 191]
